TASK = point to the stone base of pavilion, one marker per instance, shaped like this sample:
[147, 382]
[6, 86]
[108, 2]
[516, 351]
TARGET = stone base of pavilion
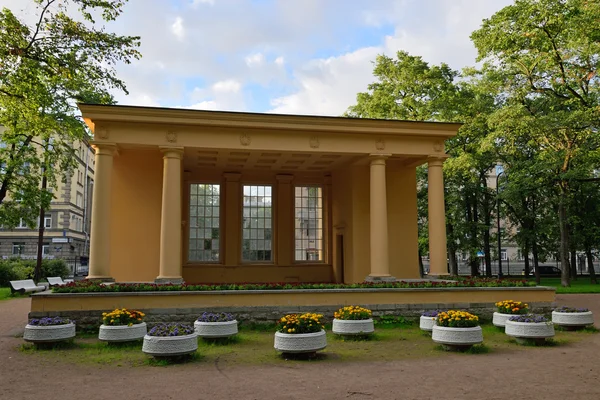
[269, 305]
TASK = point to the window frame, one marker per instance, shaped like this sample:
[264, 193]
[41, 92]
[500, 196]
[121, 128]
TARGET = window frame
[273, 260]
[20, 246]
[323, 229]
[188, 191]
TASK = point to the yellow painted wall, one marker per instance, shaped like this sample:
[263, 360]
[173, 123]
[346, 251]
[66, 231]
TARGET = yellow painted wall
[257, 273]
[361, 231]
[135, 215]
[402, 221]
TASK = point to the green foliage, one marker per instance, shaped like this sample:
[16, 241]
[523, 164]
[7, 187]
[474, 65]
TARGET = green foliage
[17, 269]
[46, 68]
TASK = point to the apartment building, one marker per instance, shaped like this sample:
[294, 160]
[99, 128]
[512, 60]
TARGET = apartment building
[66, 223]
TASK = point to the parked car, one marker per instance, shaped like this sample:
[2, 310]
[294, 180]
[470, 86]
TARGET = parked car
[545, 270]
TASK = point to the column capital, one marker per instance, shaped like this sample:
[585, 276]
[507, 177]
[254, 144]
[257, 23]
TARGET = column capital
[284, 178]
[171, 152]
[436, 160]
[232, 176]
[378, 159]
[105, 149]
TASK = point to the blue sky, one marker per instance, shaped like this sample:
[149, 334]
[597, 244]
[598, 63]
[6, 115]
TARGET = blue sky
[282, 56]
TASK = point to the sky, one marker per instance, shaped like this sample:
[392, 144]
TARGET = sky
[281, 56]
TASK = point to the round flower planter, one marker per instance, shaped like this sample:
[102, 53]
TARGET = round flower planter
[216, 329]
[525, 332]
[49, 333]
[122, 333]
[499, 319]
[353, 327]
[426, 323]
[300, 342]
[170, 346]
[456, 338]
[573, 320]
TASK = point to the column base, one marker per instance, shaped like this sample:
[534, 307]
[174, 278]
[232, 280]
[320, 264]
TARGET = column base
[380, 279]
[100, 279]
[174, 280]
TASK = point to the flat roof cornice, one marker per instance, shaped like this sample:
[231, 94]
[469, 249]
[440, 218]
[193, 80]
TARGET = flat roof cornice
[176, 116]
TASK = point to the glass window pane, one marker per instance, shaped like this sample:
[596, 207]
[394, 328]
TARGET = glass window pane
[308, 223]
[204, 222]
[257, 223]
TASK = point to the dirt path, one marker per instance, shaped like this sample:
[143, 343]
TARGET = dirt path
[571, 371]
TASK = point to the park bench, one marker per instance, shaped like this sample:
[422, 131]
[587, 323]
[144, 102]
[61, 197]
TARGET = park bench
[25, 286]
[57, 280]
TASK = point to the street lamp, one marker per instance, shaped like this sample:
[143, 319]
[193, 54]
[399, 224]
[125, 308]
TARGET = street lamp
[498, 223]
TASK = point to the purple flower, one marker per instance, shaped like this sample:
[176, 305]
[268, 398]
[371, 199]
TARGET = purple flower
[171, 329]
[216, 317]
[529, 318]
[49, 321]
[431, 314]
[565, 309]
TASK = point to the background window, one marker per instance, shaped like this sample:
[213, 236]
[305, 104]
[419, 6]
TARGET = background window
[18, 249]
[503, 255]
[308, 223]
[47, 221]
[204, 222]
[257, 226]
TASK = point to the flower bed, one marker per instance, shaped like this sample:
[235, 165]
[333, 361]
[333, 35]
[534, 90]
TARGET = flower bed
[49, 330]
[216, 325]
[572, 318]
[122, 325]
[353, 320]
[427, 320]
[93, 286]
[167, 340]
[529, 328]
[300, 333]
[506, 309]
[456, 330]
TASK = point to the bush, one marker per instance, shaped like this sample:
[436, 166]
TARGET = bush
[7, 273]
[16, 269]
[55, 268]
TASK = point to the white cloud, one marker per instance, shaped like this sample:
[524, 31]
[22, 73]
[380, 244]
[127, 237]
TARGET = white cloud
[255, 60]
[280, 61]
[204, 105]
[230, 85]
[178, 29]
[196, 3]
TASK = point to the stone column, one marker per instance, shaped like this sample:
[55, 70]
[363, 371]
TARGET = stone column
[99, 265]
[170, 221]
[380, 263]
[438, 264]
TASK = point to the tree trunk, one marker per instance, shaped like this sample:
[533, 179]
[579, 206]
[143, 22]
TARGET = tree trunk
[564, 241]
[590, 261]
[526, 255]
[37, 275]
[573, 265]
[421, 268]
[536, 263]
[452, 250]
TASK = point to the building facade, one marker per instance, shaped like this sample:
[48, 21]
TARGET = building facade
[66, 223]
[206, 196]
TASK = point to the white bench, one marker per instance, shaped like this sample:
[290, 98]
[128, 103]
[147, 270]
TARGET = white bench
[25, 286]
[57, 280]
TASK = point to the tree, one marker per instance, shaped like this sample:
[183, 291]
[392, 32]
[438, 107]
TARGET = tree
[46, 68]
[544, 55]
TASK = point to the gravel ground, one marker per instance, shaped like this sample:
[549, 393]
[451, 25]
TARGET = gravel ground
[570, 371]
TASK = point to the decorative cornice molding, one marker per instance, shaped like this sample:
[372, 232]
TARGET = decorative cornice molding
[171, 137]
[102, 133]
[313, 142]
[380, 144]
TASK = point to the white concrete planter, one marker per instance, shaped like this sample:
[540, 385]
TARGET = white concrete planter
[426, 323]
[168, 346]
[300, 342]
[459, 338]
[122, 333]
[578, 319]
[49, 334]
[216, 329]
[353, 327]
[499, 319]
[536, 331]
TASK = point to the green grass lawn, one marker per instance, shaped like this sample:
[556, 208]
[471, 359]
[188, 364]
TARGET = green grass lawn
[255, 347]
[581, 285]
